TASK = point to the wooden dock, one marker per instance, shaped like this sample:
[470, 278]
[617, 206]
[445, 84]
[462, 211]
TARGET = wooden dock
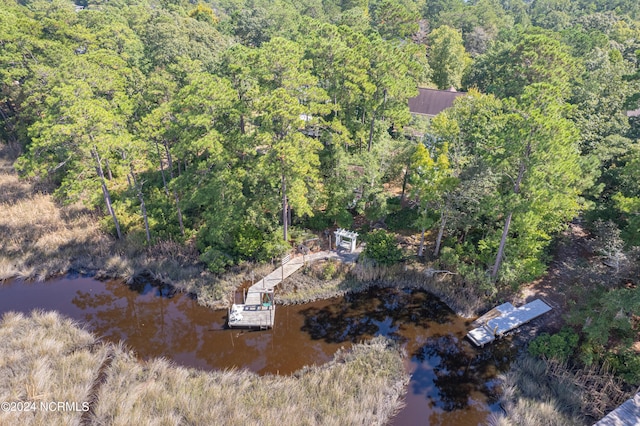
[628, 414]
[504, 318]
[259, 309]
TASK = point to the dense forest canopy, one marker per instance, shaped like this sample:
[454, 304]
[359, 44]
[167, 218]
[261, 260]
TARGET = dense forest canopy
[237, 124]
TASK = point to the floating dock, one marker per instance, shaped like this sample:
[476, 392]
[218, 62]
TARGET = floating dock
[259, 309]
[504, 318]
[259, 316]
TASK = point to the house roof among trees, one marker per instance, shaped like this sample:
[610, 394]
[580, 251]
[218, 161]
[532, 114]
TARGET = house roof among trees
[431, 102]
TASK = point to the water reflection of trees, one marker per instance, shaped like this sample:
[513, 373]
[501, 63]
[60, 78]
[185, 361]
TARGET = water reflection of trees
[367, 314]
[351, 319]
[152, 325]
[449, 373]
[450, 370]
[155, 321]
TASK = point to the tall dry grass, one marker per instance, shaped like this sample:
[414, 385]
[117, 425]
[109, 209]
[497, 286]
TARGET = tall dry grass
[322, 279]
[549, 392]
[46, 357]
[41, 238]
[362, 386]
[532, 396]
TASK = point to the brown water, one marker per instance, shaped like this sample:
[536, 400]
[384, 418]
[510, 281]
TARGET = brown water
[452, 383]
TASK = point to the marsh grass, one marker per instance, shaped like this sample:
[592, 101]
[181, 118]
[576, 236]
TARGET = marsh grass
[362, 386]
[547, 392]
[533, 397]
[46, 357]
[42, 239]
[322, 279]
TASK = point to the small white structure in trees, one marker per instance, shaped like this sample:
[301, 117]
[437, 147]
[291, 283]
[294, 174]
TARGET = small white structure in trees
[346, 239]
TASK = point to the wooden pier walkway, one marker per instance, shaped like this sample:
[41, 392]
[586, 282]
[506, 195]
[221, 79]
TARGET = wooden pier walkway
[268, 283]
[504, 318]
[259, 309]
[628, 414]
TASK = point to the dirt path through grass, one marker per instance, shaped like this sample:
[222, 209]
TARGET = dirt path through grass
[101, 378]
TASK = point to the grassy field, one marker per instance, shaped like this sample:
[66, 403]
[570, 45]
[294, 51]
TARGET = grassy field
[45, 358]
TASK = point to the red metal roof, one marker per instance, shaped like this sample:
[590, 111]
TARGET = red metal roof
[432, 101]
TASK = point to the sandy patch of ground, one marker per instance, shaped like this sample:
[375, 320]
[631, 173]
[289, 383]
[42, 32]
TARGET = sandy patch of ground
[555, 287]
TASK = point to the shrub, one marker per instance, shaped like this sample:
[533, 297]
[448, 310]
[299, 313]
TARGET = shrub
[318, 222]
[403, 219]
[343, 219]
[248, 241]
[274, 246]
[626, 364]
[382, 247]
[329, 270]
[216, 260]
[468, 273]
[559, 345]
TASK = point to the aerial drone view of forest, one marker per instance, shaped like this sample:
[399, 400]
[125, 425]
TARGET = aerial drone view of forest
[195, 144]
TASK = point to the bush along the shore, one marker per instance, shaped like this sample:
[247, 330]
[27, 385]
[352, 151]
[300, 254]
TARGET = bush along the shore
[559, 345]
[382, 248]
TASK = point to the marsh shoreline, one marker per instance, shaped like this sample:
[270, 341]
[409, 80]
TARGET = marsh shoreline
[48, 239]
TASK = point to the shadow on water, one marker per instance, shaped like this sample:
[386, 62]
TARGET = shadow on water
[449, 372]
[383, 311]
[145, 286]
[452, 383]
